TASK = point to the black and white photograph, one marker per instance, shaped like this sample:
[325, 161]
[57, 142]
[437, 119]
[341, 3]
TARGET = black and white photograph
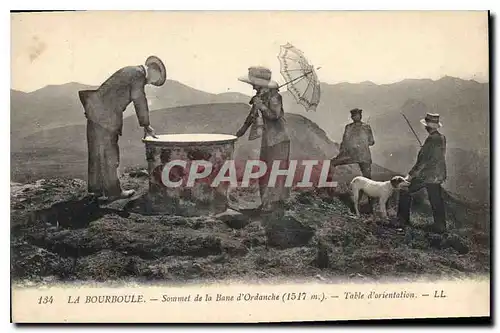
[184, 148]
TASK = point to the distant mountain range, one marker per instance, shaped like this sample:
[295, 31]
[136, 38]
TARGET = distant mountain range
[44, 120]
[464, 109]
[459, 102]
[62, 151]
[58, 105]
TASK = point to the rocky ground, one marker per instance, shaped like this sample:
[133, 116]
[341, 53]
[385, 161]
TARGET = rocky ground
[59, 234]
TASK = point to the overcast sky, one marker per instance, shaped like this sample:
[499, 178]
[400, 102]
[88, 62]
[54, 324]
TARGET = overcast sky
[209, 50]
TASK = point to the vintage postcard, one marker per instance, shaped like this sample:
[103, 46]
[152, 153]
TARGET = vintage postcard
[239, 167]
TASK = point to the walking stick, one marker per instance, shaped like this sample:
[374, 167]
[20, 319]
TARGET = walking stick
[408, 122]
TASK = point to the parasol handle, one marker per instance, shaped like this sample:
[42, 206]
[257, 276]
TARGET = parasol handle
[299, 77]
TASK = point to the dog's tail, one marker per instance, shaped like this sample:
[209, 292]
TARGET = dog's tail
[353, 181]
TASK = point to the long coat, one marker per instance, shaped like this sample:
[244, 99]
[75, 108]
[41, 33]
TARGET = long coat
[274, 130]
[430, 167]
[105, 106]
[275, 145]
[356, 142]
[274, 124]
[104, 112]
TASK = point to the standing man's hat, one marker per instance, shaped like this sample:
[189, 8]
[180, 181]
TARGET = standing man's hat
[154, 60]
[259, 76]
[431, 120]
[356, 111]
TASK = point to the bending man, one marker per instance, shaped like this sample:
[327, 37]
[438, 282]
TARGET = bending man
[104, 109]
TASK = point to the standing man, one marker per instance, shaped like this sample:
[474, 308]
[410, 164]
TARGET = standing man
[355, 145]
[104, 109]
[429, 172]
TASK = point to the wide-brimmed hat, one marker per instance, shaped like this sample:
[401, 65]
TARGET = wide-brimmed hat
[259, 76]
[163, 72]
[431, 120]
[356, 111]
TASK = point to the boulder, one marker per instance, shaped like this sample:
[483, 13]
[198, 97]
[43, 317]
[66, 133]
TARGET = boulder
[456, 242]
[287, 231]
[233, 219]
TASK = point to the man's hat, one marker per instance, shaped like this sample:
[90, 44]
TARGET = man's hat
[431, 120]
[259, 76]
[154, 60]
[356, 111]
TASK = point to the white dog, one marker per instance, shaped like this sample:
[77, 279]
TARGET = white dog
[375, 189]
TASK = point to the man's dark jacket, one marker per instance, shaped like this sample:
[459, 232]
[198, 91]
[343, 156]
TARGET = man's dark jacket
[430, 167]
[105, 106]
[356, 142]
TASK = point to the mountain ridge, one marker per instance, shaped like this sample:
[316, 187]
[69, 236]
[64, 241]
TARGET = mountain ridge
[445, 77]
[51, 153]
[463, 105]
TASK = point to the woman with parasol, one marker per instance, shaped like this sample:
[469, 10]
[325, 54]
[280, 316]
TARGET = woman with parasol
[275, 143]
[303, 85]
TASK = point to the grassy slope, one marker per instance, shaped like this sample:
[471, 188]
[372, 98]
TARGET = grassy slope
[114, 244]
